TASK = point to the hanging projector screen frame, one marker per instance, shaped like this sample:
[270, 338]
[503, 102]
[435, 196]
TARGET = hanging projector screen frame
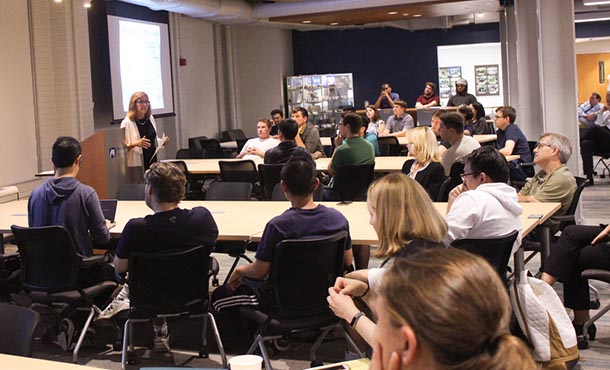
[139, 61]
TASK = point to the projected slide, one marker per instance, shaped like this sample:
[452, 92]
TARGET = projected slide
[139, 61]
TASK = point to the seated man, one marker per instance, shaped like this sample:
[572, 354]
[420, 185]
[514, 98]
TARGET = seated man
[512, 141]
[484, 206]
[63, 200]
[452, 131]
[554, 183]
[587, 111]
[256, 148]
[596, 139]
[308, 136]
[351, 148]
[400, 122]
[436, 128]
[169, 228]
[428, 98]
[304, 219]
[461, 95]
[386, 98]
[287, 148]
[277, 116]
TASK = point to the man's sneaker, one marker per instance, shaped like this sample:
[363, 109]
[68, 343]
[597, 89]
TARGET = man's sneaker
[113, 308]
[66, 334]
[161, 343]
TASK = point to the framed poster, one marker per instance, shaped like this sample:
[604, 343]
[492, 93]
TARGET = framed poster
[447, 76]
[487, 83]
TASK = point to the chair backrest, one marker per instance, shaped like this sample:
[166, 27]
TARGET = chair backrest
[388, 146]
[443, 191]
[424, 116]
[17, 325]
[131, 192]
[581, 184]
[352, 181]
[154, 279]
[238, 171]
[496, 251]
[310, 264]
[212, 147]
[195, 142]
[190, 153]
[270, 176]
[229, 191]
[233, 135]
[49, 261]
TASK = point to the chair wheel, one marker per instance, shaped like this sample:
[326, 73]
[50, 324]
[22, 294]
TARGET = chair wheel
[203, 353]
[594, 305]
[132, 358]
[215, 282]
[316, 363]
[582, 343]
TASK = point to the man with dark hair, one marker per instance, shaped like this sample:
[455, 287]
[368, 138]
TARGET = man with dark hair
[355, 149]
[512, 141]
[287, 148]
[277, 116]
[304, 219]
[308, 136]
[256, 147]
[484, 206]
[400, 122]
[169, 228]
[386, 98]
[452, 131]
[596, 139]
[63, 200]
[428, 98]
[587, 111]
[461, 94]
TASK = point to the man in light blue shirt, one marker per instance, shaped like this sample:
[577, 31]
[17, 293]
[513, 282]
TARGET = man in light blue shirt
[588, 111]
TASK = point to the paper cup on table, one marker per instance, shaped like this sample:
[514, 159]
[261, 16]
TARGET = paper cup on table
[246, 362]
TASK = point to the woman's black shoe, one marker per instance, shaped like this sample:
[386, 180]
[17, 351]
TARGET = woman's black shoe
[591, 331]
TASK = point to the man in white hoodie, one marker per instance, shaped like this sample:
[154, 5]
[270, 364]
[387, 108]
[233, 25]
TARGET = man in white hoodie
[484, 206]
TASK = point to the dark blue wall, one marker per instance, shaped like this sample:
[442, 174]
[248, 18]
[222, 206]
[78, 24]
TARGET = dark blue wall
[593, 29]
[404, 59]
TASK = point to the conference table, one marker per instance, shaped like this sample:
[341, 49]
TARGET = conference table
[246, 220]
[27, 363]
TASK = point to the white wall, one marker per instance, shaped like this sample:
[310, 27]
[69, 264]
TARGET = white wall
[593, 46]
[18, 148]
[467, 56]
[262, 60]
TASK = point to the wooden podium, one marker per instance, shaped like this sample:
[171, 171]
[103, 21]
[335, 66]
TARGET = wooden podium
[104, 162]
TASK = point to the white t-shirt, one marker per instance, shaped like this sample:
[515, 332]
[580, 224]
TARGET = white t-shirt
[262, 144]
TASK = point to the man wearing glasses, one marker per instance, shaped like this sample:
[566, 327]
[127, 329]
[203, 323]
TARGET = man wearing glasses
[484, 206]
[554, 183]
[512, 141]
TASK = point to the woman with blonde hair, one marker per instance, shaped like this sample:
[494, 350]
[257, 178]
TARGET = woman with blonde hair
[425, 168]
[434, 315]
[140, 137]
[405, 221]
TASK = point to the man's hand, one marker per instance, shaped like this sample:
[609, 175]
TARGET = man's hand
[351, 287]
[236, 279]
[603, 236]
[341, 304]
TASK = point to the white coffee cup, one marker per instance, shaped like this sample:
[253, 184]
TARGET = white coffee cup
[246, 362]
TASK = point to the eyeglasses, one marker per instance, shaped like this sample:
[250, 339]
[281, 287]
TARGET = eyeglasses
[541, 145]
[463, 175]
[142, 102]
[498, 117]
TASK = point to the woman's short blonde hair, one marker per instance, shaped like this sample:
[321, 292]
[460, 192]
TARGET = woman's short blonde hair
[404, 212]
[131, 114]
[425, 147]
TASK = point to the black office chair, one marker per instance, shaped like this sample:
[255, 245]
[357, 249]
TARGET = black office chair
[603, 157]
[195, 142]
[234, 248]
[213, 150]
[194, 183]
[17, 326]
[351, 182]
[454, 180]
[496, 251]
[131, 192]
[388, 146]
[270, 176]
[50, 268]
[238, 171]
[301, 272]
[564, 220]
[190, 153]
[443, 191]
[169, 284]
[233, 135]
[593, 274]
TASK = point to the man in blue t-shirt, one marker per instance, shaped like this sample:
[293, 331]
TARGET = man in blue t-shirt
[304, 218]
[512, 141]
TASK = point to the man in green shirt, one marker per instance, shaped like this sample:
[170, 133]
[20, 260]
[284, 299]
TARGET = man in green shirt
[355, 149]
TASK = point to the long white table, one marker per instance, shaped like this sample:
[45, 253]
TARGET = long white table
[10, 362]
[327, 141]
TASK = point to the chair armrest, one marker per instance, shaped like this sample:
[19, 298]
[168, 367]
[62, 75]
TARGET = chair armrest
[93, 260]
[564, 218]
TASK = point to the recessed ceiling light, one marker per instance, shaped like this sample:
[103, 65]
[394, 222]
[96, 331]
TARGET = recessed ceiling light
[595, 2]
[405, 14]
[306, 22]
[87, 4]
[334, 24]
[480, 15]
[58, 1]
[392, 13]
[417, 15]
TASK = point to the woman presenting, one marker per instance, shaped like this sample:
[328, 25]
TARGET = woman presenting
[140, 137]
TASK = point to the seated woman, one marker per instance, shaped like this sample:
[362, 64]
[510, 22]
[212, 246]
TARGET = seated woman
[405, 221]
[426, 167]
[479, 123]
[579, 248]
[374, 127]
[467, 114]
[434, 315]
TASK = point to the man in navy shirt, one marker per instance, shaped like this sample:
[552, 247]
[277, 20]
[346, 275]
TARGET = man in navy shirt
[512, 141]
[386, 98]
